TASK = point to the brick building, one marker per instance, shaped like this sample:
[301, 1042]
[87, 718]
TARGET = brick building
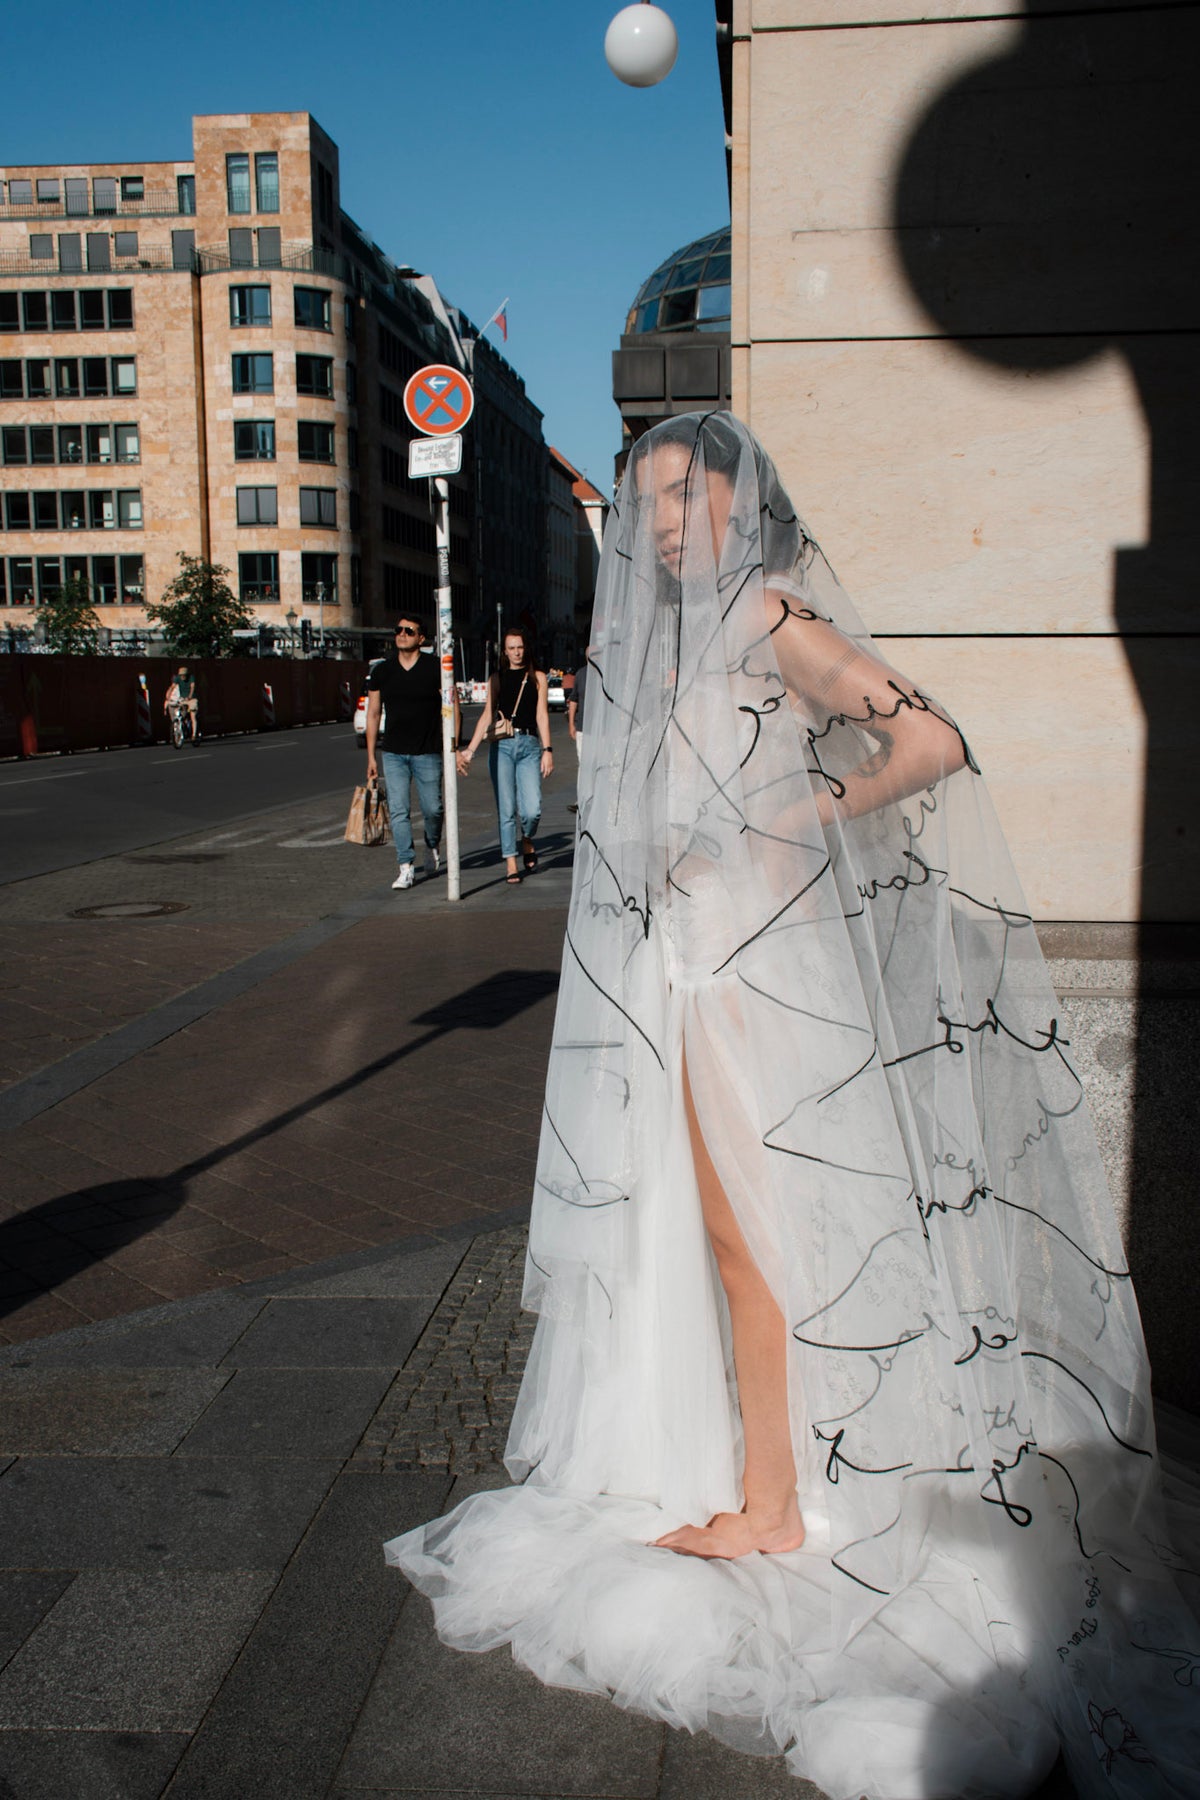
[210, 356]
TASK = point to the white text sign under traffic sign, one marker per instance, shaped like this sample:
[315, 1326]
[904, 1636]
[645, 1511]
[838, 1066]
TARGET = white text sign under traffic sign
[435, 456]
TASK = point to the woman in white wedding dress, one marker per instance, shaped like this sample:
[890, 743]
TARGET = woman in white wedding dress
[835, 1438]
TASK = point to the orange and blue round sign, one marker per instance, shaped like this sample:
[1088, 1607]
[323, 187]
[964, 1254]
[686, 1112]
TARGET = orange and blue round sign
[438, 400]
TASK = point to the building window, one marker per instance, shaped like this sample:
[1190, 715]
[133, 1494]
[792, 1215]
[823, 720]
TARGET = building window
[66, 378]
[318, 506]
[237, 184]
[124, 375]
[37, 313]
[95, 377]
[102, 514]
[49, 571]
[356, 581]
[270, 247]
[20, 193]
[10, 312]
[70, 443]
[62, 311]
[104, 580]
[125, 243]
[20, 581]
[133, 581]
[41, 246]
[70, 252]
[14, 446]
[104, 194]
[249, 306]
[99, 250]
[10, 380]
[315, 442]
[318, 578]
[312, 309]
[257, 506]
[254, 440]
[47, 190]
[16, 512]
[254, 374]
[120, 309]
[355, 512]
[129, 509]
[266, 179]
[258, 577]
[37, 378]
[183, 244]
[133, 187]
[185, 191]
[241, 247]
[325, 194]
[99, 444]
[314, 375]
[352, 446]
[128, 443]
[74, 513]
[45, 511]
[352, 384]
[91, 309]
[77, 194]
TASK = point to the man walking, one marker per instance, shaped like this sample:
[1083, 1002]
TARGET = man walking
[406, 689]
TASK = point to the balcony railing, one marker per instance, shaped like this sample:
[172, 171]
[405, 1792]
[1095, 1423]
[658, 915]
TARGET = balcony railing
[153, 258]
[155, 202]
[304, 259]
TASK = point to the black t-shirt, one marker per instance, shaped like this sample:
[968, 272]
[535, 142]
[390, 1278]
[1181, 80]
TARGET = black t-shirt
[412, 701]
[517, 698]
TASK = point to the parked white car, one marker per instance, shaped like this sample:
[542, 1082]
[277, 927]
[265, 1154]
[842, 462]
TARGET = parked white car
[556, 694]
[360, 711]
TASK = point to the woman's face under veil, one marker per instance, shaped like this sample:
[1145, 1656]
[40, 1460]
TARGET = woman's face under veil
[689, 507]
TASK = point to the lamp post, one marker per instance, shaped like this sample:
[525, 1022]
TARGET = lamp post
[290, 616]
[640, 45]
[321, 615]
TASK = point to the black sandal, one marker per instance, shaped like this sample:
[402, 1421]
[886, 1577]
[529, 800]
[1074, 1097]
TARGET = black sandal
[512, 879]
[528, 856]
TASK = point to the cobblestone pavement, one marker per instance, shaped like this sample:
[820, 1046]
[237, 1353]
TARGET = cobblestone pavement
[450, 1406]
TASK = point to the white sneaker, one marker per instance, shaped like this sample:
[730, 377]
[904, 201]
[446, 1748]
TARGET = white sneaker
[405, 878]
[433, 861]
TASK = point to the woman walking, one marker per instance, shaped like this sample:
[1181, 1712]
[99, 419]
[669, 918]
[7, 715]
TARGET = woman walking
[836, 1437]
[516, 722]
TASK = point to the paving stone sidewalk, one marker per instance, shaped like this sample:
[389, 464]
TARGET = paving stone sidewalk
[195, 1604]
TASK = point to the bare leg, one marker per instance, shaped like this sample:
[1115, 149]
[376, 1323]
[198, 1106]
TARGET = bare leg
[770, 1519]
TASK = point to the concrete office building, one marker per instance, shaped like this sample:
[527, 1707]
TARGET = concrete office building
[209, 356]
[674, 352]
[964, 326]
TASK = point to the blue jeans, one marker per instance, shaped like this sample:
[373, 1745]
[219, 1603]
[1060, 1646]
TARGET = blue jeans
[399, 772]
[515, 766]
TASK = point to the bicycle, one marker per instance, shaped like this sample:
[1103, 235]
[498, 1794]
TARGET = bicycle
[183, 724]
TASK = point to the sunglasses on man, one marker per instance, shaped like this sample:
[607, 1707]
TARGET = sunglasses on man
[407, 631]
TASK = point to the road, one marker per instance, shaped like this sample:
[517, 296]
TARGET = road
[62, 811]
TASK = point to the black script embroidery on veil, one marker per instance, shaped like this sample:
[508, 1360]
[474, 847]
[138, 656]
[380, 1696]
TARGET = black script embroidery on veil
[628, 901]
[616, 1004]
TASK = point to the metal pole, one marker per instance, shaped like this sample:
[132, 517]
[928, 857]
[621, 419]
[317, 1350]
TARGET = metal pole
[321, 614]
[441, 488]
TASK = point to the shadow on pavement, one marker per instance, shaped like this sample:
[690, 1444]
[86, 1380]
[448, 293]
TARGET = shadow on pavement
[485, 1007]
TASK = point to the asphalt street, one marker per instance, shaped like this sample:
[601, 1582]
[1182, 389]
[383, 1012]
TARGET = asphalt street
[61, 811]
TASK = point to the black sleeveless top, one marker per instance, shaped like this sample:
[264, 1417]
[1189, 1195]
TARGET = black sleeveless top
[525, 715]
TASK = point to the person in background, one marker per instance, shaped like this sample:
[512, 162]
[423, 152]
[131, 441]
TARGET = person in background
[516, 762]
[406, 689]
[182, 692]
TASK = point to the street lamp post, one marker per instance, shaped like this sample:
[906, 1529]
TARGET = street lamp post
[290, 616]
[321, 615]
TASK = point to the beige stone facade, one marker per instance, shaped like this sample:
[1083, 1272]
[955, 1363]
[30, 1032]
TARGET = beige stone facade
[962, 327]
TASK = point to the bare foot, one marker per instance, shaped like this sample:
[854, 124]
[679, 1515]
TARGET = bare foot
[729, 1535]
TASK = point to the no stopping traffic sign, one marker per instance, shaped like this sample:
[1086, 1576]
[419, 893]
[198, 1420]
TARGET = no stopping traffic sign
[438, 400]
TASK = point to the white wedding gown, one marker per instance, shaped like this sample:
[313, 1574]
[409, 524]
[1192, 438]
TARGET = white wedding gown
[883, 1088]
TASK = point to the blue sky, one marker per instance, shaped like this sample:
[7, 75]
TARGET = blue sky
[485, 141]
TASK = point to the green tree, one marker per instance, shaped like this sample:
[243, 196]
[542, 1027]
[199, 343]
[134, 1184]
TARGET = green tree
[199, 611]
[72, 626]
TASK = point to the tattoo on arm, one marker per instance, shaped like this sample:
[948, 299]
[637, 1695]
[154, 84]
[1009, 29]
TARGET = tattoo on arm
[879, 760]
[836, 670]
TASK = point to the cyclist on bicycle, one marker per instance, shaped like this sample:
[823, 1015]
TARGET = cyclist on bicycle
[182, 693]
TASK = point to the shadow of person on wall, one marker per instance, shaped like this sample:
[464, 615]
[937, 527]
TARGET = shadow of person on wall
[1046, 213]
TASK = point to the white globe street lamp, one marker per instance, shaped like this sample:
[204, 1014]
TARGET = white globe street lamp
[640, 45]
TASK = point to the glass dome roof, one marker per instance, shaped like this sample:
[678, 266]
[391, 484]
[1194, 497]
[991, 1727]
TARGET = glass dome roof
[687, 292]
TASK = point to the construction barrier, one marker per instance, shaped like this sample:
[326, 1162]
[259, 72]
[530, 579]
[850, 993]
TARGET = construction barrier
[268, 707]
[82, 702]
[145, 725]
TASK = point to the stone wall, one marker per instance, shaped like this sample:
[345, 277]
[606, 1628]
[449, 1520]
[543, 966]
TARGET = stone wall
[964, 245]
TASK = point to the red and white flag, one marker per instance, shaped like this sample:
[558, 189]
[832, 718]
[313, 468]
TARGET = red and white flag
[500, 318]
